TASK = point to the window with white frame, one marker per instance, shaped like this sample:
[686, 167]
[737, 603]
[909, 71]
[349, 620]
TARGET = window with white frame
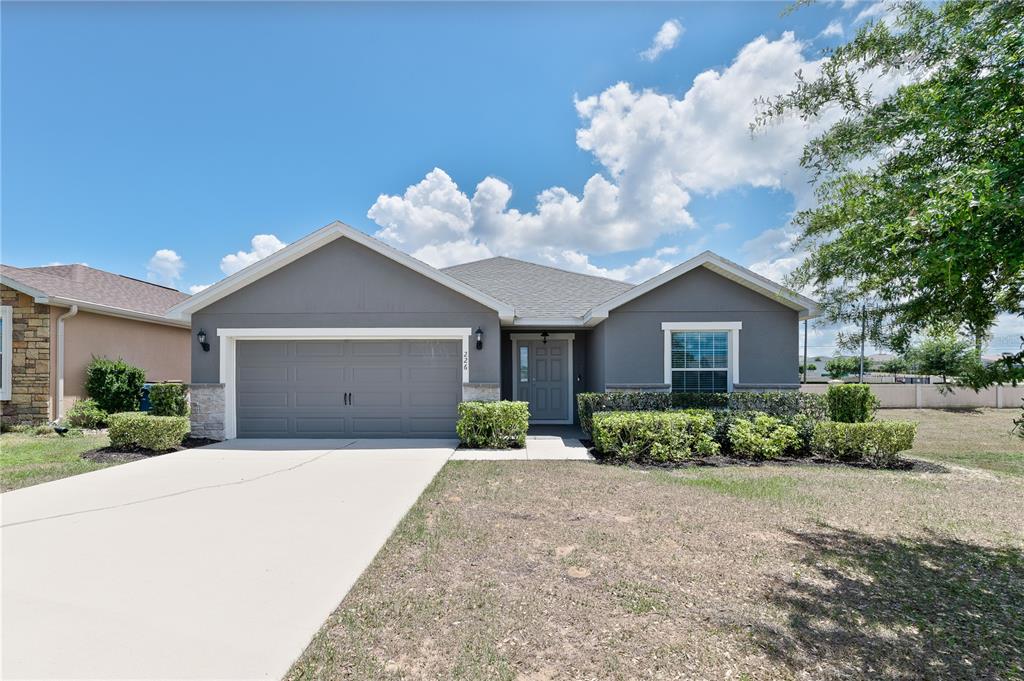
[701, 356]
[6, 336]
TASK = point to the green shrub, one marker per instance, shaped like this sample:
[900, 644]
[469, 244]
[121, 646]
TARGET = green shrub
[86, 414]
[655, 436]
[800, 410]
[851, 402]
[139, 429]
[760, 436]
[168, 399]
[114, 384]
[877, 443]
[494, 425]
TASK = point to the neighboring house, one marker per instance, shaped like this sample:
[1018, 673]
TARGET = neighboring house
[339, 334]
[55, 319]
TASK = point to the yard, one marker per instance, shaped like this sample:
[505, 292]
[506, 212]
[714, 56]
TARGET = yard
[27, 459]
[552, 570]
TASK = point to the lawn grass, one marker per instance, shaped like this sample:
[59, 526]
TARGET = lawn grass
[31, 459]
[531, 570]
[975, 438]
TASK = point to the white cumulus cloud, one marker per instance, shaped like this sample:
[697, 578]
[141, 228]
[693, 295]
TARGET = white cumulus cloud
[834, 29]
[165, 267]
[655, 150]
[197, 288]
[664, 40]
[262, 246]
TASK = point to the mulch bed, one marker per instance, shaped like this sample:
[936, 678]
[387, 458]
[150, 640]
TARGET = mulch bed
[111, 454]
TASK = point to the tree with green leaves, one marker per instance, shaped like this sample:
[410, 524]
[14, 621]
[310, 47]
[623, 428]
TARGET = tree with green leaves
[920, 192]
[838, 367]
[895, 365]
[943, 354]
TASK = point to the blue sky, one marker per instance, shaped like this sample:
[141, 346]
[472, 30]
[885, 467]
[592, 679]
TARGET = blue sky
[157, 140]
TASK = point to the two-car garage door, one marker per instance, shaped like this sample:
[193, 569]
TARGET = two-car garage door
[347, 388]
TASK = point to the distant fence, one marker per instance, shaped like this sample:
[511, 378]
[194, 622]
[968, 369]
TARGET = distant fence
[933, 397]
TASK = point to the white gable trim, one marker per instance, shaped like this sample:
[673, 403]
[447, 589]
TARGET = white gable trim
[719, 265]
[311, 242]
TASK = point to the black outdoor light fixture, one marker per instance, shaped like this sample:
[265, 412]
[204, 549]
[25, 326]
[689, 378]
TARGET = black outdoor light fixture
[201, 337]
[544, 337]
[479, 338]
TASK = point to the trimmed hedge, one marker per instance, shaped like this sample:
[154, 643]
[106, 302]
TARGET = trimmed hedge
[851, 402]
[655, 436]
[168, 399]
[139, 429]
[114, 384]
[493, 425]
[760, 436]
[800, 410]
[877, 443]
[86, 414]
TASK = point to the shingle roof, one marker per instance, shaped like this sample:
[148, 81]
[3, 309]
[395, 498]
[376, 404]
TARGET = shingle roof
[90, 285]
[537, 291]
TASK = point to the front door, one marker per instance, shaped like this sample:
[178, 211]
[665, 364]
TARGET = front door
[542, 379]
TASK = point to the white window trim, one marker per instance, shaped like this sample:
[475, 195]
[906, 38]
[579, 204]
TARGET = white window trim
[733, 328]
[516, 337]
[7, 314]
[229, 338]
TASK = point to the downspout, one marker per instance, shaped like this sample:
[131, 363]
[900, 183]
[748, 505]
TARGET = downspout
[60, 359]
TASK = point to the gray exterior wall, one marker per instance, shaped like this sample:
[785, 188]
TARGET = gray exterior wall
[345, 284]
[631, 346]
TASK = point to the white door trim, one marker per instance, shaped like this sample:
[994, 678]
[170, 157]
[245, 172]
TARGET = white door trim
[516, 337]
[732, 373]
[229, 338]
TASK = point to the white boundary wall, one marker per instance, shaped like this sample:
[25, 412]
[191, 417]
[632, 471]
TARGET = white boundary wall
[925, 396]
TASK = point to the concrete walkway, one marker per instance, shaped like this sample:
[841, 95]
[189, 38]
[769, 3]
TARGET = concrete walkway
[538, 448]
[213, 563]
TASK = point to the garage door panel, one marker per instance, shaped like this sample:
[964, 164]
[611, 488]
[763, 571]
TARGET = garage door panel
[318, 349]
[434, 399]
[384, 398]
[375, 349]
[319, 374]
[297, 388]
[368, 376]
[313, 426]
[263, 373]
[270, 426]
[254, 398]
[319, 400]
[377, 425]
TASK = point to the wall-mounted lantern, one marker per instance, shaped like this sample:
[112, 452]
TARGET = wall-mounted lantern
[201, 337]
[479, 338]
[544, 337]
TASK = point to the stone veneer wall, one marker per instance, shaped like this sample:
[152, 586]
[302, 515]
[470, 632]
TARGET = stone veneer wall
[30, 360]
[481, 392]
[207, 402]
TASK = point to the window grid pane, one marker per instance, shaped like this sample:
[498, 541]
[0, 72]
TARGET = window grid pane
[693, 354]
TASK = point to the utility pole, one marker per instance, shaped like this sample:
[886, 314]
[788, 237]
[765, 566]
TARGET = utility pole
[805, 351]
[863, 332]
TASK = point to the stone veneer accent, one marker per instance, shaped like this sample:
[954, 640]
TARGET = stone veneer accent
[481, 392]
[207, 403]
[30, 360]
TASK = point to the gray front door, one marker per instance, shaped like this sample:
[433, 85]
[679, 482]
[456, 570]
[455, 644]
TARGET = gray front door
[382, 388]
[542, 378]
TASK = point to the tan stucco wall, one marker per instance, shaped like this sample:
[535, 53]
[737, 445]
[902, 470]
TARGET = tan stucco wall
[163, 351]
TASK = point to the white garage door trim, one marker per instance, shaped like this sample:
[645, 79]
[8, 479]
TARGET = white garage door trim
[228, 338]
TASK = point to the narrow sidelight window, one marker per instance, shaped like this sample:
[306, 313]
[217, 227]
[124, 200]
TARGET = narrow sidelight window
[524, 364]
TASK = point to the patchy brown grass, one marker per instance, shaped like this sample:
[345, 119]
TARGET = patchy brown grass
[976, 438]
[569, 570]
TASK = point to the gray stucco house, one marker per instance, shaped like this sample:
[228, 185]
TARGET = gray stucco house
[339, 334]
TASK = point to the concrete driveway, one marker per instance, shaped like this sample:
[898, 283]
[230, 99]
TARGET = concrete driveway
[213, 563]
